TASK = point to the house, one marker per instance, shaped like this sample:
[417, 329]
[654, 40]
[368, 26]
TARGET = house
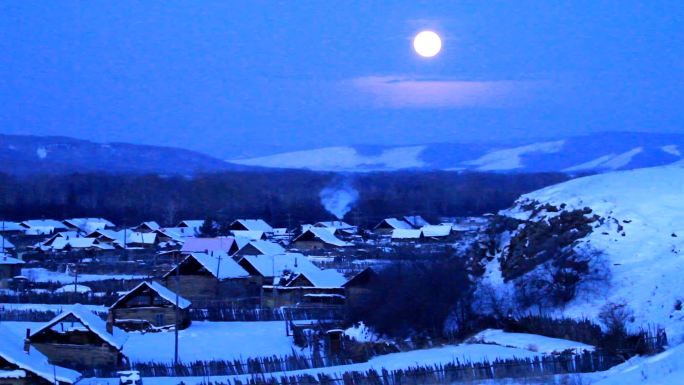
[77, 244]
[174, 235]
[260, 248]
[42, 226]
[358, 287]
[78, 338]
[18, 367]
[141, 239]
[147, 227]
[62, 234]
[210, 277]
[269, 267]
[110, 236]
[205, 245]
[87, 225]
[251, 225]
[406, 235]
[10, 267]
[317, 238]
[416, 221]
[312, 287]
[150, 303]
[387, 225]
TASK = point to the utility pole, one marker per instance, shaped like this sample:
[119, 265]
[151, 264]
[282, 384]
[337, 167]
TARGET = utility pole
[175, 329]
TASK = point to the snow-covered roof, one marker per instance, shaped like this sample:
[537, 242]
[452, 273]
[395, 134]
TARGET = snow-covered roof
[7, 260]
[201, 245]
[193, 223]
[35, 362]
[43, 223]
[78, 243]
[161, 290]
[406, 233]
[394, 223]
[327, 278]
[338, 225]
[88, 224]
[152, 225]
[6, 243]
[268, 248]
[91, 322]
[324, 235]
[277, 265]
[74, 289]
[254, 225]
[416, 220]
[10, 226]
[436, 230]
[142, 238]
[218, 263]
[252, 235]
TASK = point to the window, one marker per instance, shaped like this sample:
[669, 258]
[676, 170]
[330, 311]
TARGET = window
[159, 319]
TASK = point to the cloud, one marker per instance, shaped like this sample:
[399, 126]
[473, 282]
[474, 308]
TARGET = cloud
[402, 92]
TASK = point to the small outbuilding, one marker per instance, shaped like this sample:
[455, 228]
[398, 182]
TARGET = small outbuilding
[150, 305]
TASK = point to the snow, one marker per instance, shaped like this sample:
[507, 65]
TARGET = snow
[73, 289]
[436, 230]
[57, 308]
[533, 342]
[325, 278]
[395, 361]
[511, 158]
[268, 248]
[395, 223]
[607, 162]
[361, 333]
[218, 263]
[406, 234]
[645, 258]
[324, 235]
[254, 225]
[39, 274]
[342, 159]
[672, 149]
[7, 260]
[203, 245]
[277, 265]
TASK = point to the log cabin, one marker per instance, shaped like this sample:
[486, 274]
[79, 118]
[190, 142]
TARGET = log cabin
[149, 305]
[10, 267]
[78, 338]
[316, 238]
[19, 368]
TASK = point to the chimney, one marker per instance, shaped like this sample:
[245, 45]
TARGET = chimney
[27, 345]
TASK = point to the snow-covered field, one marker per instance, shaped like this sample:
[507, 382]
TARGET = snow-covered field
[39, 274]
[641, 235]
[57, 308]
[532, 342]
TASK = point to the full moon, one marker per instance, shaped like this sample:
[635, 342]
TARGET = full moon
[427, 44]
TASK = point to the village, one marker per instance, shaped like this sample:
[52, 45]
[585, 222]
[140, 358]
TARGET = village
[89, 298]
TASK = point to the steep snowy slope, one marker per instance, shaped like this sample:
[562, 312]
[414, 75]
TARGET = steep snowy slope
[640, 230]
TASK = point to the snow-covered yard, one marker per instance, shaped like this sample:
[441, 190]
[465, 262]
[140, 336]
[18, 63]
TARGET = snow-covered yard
[57, 308]
[39, 274]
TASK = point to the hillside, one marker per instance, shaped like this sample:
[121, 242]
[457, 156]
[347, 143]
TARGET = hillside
[591, 153]
[634, 219]
[22, 155]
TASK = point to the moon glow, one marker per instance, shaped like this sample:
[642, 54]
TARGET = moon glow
[427, 44]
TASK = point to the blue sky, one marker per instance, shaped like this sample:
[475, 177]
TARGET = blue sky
[229, 77]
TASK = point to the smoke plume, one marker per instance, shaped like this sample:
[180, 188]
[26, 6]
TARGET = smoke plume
[338, 199]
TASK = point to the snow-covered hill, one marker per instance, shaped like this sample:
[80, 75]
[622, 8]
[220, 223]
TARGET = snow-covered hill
[639, 229]
[598, 152]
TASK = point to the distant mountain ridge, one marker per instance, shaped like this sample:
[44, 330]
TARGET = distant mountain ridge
[589, 153]
[25, 155]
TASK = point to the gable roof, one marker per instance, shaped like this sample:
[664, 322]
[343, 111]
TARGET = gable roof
[35, 362]
[158, 288]
[10, 226]
[225, 268]
[203, 245]
[254, 225]
[416, 221]
[43, 223]
[338, 225]
[324, 235]
[91, 322]
[277, 265]
[266, 247]
[252, 235]
[393, 223]
[142, 238]
[5, 242]
[194, 223]
[152, 225]
[361, 278]
[327, 278]
[88, 224]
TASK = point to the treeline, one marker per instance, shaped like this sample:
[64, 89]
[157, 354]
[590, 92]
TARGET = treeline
[281, 197]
